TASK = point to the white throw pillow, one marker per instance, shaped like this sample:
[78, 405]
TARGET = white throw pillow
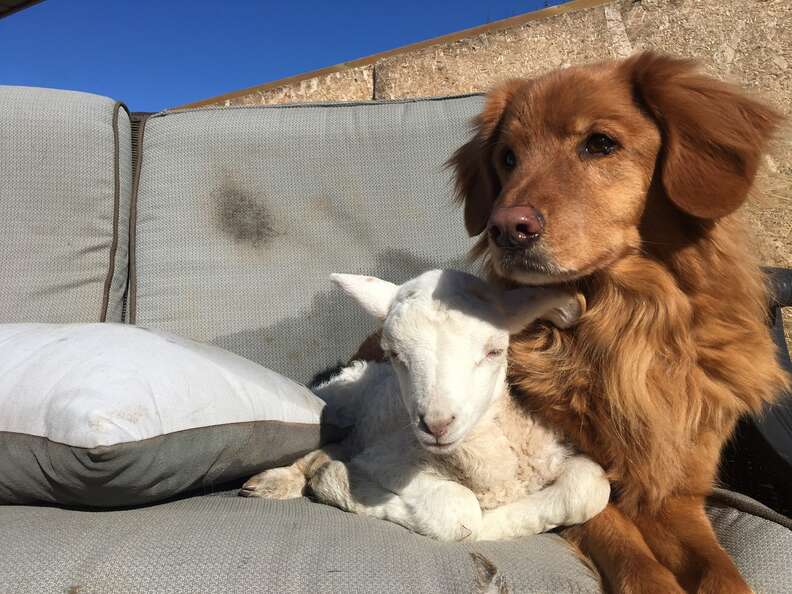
[111, 414]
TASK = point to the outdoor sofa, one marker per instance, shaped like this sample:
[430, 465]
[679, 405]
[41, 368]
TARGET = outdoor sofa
[222, 225]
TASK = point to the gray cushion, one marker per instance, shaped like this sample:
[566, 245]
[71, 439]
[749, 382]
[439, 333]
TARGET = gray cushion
[223, 543]
[243, 212]
[758, 539]
[65, 191]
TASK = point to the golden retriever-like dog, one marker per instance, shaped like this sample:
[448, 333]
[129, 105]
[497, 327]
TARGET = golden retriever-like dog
[621, 179]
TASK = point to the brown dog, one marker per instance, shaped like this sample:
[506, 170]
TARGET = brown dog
[621, 180]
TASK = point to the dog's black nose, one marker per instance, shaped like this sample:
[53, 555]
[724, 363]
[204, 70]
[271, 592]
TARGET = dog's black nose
[515, 226]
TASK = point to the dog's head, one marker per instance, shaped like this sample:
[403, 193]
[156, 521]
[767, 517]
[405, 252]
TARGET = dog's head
[566, 172]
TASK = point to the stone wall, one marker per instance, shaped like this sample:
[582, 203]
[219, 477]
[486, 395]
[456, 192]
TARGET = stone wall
[745, 41]
[343, 84]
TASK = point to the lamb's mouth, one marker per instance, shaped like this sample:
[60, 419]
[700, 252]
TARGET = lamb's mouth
[439, 448]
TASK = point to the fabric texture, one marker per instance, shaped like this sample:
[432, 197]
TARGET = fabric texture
[757, 538]
[65, 193]
[224, 543]
[110, 414]
[231, 544]
[242, 213]
[743, 503]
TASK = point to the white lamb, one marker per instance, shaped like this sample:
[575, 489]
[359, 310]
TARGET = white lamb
[438, 445]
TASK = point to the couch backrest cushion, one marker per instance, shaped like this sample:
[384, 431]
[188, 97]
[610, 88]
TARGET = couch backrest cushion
[242, 213]
[65, 188]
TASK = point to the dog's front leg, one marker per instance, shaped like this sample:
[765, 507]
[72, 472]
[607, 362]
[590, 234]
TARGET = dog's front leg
[626, 563]
[682, 539]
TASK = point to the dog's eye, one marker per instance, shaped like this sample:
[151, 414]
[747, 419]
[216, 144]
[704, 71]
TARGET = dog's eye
[509, 159]
[600, 144]
[492, 354]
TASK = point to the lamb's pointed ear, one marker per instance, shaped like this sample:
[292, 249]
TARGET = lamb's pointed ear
[713, 133]
[475, 181]
[521, 307]
[373, 294]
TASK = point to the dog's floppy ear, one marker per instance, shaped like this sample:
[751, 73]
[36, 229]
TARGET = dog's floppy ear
[713, 134]
[476, 183]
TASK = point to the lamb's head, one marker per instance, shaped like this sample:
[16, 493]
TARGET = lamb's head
[446, 334]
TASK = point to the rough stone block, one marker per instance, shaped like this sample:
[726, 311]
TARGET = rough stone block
[478, 63]
[355, 84]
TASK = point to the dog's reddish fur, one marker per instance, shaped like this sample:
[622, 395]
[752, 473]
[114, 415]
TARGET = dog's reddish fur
[673, 347]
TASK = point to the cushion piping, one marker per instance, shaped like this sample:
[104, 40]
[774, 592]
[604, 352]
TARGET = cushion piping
[334, 432]
[745, 504]
[342, 104]
[116, 207]
[132, 298]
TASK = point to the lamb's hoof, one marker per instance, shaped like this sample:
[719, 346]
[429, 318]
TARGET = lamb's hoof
[277, 483]
[330, 484]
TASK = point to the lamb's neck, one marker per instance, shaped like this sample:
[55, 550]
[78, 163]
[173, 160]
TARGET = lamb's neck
[485, 459]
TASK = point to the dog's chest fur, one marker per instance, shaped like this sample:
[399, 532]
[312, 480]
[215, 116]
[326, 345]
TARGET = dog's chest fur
[658, 370]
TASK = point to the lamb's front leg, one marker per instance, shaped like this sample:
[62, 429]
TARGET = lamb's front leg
[289, 482]
[578, 494]
[419, 501]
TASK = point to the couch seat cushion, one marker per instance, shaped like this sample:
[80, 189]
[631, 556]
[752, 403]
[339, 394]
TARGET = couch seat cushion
[224, 543]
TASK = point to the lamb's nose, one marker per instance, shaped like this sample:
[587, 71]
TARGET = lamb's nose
[435, 426]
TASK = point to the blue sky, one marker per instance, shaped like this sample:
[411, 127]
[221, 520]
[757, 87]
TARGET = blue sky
[157, 54]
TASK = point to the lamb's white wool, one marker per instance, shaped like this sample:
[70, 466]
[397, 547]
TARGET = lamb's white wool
[438, 445]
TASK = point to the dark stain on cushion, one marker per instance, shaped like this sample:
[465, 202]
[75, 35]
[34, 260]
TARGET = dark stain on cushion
[488, 579]
[242, 215]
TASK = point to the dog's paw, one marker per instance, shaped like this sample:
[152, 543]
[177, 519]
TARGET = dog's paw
[649, 578]
[715, 581]
[277, 483]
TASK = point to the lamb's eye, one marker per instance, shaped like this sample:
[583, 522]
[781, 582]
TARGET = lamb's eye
[494, 353]
[600, 145]
[509, 159]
